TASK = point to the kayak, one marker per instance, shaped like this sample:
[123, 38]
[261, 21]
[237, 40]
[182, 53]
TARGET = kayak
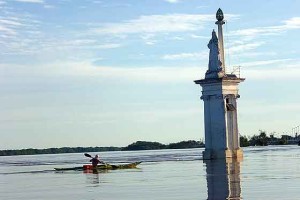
[100, 167]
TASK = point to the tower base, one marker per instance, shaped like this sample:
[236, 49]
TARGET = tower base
[209, 154]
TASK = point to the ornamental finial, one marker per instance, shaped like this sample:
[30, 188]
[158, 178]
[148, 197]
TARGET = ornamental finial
[220, 15]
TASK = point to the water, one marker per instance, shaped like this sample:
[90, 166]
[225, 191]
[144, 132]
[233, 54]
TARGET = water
[264, 173]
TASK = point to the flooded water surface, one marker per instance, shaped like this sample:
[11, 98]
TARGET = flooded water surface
[264, 173]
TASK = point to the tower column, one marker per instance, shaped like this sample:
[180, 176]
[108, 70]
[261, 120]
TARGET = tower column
[220, 22]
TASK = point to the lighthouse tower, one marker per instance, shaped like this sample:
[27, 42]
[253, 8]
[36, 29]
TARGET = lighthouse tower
[220, 94]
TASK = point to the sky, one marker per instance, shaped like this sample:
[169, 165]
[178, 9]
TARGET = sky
[112, 72]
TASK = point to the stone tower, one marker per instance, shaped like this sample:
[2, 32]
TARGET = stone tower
[220, 94]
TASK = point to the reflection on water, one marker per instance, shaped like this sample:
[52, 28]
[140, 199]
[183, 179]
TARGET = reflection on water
[223, 179]
[92, 176]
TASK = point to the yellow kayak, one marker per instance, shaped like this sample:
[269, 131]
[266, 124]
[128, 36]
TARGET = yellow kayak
[100, 167]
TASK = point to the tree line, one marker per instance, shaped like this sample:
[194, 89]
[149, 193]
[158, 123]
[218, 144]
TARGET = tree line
[256, 140]
[139, 145]
[263, 140]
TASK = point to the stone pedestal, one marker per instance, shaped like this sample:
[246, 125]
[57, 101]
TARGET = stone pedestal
[220, 117]
[209, 154]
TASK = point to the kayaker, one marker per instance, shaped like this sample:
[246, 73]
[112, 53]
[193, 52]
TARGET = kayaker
[95, 161]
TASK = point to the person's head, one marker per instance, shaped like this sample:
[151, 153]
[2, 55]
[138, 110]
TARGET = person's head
[96, 156]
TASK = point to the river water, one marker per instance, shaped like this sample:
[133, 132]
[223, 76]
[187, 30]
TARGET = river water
[271, 172]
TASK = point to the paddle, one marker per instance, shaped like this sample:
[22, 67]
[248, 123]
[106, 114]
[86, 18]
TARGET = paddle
[88, 155]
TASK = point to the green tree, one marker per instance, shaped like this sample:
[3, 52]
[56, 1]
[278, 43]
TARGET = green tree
[143, 145]
[244, 142]
[259, 140]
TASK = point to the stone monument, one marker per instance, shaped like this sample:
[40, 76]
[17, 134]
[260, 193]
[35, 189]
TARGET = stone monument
[220, 94]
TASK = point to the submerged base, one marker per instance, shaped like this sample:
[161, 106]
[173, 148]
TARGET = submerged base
[209, 154]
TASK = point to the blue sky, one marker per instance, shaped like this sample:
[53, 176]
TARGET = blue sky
[111, 72]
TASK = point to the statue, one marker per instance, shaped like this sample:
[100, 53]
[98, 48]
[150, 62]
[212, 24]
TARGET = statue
[214, 64]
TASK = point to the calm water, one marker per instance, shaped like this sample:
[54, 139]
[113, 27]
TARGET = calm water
[265, 173]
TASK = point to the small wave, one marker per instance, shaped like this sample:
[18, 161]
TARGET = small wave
[28, 172]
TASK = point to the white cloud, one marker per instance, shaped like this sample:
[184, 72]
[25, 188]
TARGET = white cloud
[106, 46]
[199, 36]
[49, 6]
[156, 24]
[176, 38]
[87, 70]
[149, 38]
[10, 26]
[277, 73]
[265, 62]
[31, 1]
[18, 30]
[281, 70]
[252, 54]
[172, 1]
[8, 31]
[10, 22]
[292, 23]
[243, 47]
[151, 74]
[196, 55]
[247, 36]
[275, 69]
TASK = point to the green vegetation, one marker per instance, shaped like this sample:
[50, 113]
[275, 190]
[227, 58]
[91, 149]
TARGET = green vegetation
[186, 145]
[143, 145]
[256, 140]
[263, 140]
[244, 142]
[139, 145]
[57, 150]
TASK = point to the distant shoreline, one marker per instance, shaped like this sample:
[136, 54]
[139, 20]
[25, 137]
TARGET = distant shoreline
[256, 140]
[139, 145]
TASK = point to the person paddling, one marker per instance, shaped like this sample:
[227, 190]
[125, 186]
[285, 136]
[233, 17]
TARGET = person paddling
[95, 161]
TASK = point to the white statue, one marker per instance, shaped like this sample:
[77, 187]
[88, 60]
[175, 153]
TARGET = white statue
[214, 64]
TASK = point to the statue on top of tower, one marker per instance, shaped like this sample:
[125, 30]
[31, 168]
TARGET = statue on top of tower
[214, 65]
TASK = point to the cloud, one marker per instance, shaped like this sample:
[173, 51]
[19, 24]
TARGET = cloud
[199, 36]
[7, 30]
[31, 1]
[49, 6]
[292, 23]
[172, 1]
[247, 36]
[265, 62]
[83, 43]
[272, 74]
[86, 70]
[279, 69]
[180, 56]
[10, 25]
[243, 47]
[107, 46]
[148, 38]
[156, 24]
